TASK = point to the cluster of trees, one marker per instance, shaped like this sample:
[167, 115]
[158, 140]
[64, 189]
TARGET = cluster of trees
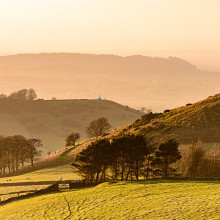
[127, 157]
[16, 151]
[23, 94]
[96, 128]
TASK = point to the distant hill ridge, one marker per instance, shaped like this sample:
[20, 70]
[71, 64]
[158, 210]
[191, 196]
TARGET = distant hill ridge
[153, 82]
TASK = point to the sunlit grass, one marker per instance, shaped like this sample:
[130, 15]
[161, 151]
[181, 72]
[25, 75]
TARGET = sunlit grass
[124, 200]
[48, 174]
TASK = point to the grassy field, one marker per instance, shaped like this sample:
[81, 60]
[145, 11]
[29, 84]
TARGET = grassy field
[48, 174]
[12, 191]
[124, 200]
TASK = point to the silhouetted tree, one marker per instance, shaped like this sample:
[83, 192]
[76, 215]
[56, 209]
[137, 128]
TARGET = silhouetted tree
[19, 146]
[98, 127]
[166, 155]
[93, 161]
[23, 94]
[33, 150]
[72, 138]
[31, 94]
[128, 153]
[16, 150]
[19, 95]
[123, 157]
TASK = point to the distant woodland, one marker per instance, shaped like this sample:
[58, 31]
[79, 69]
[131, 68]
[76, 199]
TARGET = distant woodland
[23, 94]
[17, 151]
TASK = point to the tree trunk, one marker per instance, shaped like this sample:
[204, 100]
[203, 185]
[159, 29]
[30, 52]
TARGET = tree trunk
[137, 170]
[32, 162]
[16, 163]
[128, 174]
[166, 168]
[22, 161]
[97, 177]
[148, 167]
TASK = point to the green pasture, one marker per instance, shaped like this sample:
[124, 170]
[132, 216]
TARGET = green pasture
[12, 191]
[47, 174]
[124, 200]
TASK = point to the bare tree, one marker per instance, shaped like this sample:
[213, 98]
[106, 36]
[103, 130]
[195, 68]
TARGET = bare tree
[98, 127]
[195, 158]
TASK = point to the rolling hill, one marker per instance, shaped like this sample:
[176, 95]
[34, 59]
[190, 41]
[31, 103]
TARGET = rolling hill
[188, 124]
[152, 82]
[52, 120]
[123, 200]
[152, 199]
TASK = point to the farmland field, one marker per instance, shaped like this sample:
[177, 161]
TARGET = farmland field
[47, 174]
[156, 199]
[12, 191]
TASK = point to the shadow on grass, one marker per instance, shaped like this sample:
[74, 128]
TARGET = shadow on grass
[142, 182]
[156, 181]
[33, 195]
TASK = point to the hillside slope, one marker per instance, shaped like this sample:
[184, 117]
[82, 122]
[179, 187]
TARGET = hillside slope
[156, 83]
[199, 121]
[188, 124]
[52, 120]
[124, 200]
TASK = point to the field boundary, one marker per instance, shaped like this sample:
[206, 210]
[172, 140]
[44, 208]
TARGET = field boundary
[54, 187]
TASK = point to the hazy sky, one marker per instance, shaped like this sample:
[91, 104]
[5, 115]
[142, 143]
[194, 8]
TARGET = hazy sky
[186, 28]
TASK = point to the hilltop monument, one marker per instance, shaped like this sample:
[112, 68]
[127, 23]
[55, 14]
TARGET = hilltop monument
[99, 97]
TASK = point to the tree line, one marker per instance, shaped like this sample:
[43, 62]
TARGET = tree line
[23, 94]
[17, 151]
[130, 157]
[127, 157]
